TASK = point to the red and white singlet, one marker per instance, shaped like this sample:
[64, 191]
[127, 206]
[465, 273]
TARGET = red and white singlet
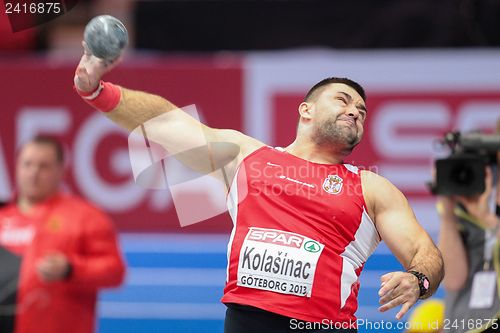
[300, 238]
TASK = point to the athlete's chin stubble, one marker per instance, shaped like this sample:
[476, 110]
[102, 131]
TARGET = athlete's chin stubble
[330, 133]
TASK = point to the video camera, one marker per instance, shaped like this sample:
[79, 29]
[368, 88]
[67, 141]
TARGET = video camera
[463, 172]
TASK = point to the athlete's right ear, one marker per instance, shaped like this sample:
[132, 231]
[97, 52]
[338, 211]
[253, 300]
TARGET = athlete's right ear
[305, 110]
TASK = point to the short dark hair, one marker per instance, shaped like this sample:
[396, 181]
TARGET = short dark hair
[329, 80]
[51, 141]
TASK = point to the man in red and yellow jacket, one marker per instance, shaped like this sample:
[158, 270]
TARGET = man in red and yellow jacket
[56, 250]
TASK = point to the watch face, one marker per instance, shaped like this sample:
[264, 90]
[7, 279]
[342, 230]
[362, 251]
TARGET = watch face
[426, 284]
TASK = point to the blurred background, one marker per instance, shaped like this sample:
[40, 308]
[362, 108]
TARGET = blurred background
[428, 67]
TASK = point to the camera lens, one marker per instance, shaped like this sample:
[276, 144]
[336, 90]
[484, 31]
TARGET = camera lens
[462, 175]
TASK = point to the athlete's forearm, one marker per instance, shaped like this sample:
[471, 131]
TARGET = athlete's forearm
[136, 107]
[428, 261]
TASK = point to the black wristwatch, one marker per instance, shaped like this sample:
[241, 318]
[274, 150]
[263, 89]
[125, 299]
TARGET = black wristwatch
[423, 282]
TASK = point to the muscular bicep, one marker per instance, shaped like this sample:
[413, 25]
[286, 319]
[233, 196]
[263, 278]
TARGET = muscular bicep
[199, 147]
[394, 218]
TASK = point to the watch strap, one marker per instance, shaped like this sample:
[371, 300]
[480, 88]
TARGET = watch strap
[423, 282]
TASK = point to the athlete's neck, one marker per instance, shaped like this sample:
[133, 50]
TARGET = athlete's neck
[314, 153]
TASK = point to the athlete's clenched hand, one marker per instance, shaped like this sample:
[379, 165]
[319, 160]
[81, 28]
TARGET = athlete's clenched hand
[398, 288]
[90, 70]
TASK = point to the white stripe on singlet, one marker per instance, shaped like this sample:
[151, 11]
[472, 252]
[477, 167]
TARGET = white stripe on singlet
[356, 253]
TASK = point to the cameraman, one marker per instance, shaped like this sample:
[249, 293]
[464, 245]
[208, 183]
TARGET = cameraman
[468, 241]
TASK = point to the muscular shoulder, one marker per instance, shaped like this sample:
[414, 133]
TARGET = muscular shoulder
[246, 144]
[379, 192]
[372, 180]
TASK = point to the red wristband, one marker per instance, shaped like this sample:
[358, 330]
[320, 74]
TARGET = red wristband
[105, 98]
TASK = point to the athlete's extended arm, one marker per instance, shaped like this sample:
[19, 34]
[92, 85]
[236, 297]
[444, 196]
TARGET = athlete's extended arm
[163, 122]
[408, 241]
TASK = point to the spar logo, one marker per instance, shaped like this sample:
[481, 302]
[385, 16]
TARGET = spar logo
[277, 237]
[312, 246]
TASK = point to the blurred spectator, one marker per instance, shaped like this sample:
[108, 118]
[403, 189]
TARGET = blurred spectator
[56, 250]
[468, 241]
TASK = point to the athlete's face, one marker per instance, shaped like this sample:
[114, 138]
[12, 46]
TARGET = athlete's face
[339, 116]
[38, 172]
